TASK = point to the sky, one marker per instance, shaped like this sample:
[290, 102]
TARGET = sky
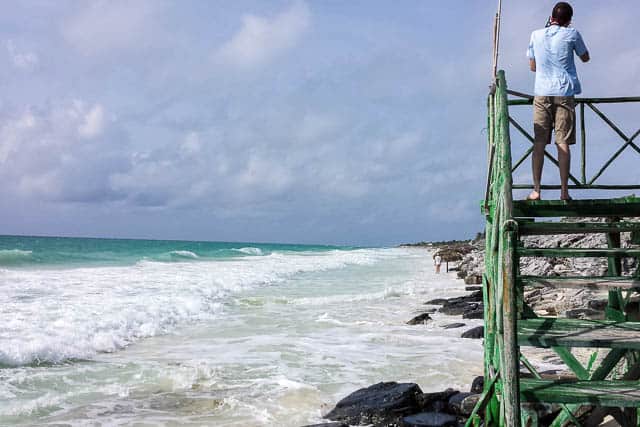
[358, 122]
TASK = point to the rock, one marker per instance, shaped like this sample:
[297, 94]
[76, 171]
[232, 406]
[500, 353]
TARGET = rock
[430, 419]
[473, 279]
[437, 301]
[328, 425]
[599, 304]
[633, 310]
[477, 386]
[475, 296]
[462, 274]
[582, 313]
[469, 403]
[561, 269]
[420, 319]
[458, 308]
[474, 314]
[454, 405]
[473, 288]
[436, 402]
[453, 325]
[477, 332]
[381, 404]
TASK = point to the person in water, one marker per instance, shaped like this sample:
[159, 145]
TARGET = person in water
[551, 57]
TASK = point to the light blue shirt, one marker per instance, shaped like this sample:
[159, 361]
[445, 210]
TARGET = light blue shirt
[553, 49]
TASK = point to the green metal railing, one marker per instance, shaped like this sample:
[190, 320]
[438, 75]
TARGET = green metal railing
[583, 182]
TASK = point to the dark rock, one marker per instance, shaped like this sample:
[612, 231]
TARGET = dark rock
[328, 425]
[473, 279]
[477, 386]
[436, 402]
[453, 325]
[462, 274]
[381, 404]
[477, 332]
[454, 405]
[633, 310]
[474, 314]
[430, 419]
[420, 319]
[473, 288]
[582, 313]
[599, 304]
[458, 308]
[469, 403]
[476, 295]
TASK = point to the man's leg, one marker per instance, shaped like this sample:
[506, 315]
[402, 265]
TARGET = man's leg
[565, 127]
[537, 161]
[564, 159]
[542, 125]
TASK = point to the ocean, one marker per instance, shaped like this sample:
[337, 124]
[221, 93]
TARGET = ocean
[146, 332]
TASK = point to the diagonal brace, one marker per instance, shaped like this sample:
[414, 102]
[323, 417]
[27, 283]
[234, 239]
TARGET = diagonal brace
[547, 155]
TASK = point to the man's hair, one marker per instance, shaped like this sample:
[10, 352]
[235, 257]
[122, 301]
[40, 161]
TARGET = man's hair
[562, 13]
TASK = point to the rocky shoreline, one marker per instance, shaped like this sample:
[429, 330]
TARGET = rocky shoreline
[404, 404]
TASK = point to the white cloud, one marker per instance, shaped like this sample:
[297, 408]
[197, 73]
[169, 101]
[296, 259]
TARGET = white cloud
[22, 60]
[12, 132]
[261, 39]
[92, 124]
[44, 153]
[111, 25]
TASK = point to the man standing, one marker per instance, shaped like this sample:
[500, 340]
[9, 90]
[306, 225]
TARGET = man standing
[550, 53]
[437, 261]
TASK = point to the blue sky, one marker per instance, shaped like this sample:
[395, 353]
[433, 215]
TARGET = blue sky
[355, 122]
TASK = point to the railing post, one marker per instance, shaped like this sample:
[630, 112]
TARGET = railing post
[510, 353]
[583, 143]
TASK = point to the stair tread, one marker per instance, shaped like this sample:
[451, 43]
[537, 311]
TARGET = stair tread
[623, 206]
[541, 228]
[622, 282]
[602, 393]
[551, 332]
[578, 252]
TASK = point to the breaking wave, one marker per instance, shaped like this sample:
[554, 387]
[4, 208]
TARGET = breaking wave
[15, 256]
[109, 308]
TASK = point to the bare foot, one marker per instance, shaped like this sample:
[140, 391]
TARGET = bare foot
[535, 195]
[565, 197]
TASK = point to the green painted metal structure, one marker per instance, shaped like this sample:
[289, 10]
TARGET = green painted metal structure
[609, 382]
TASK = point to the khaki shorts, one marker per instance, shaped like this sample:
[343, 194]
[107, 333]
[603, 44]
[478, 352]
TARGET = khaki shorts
[556, 113]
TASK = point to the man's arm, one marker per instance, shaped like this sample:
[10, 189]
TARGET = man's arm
[532, 64]
[581, 48]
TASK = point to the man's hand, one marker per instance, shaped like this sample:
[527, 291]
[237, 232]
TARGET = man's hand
[532, 64]
[585, 57]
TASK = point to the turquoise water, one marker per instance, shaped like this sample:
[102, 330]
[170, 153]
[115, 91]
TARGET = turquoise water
[29, 251]
[169, 333]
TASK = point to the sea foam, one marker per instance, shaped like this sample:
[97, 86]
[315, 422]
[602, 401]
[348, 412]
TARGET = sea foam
[53, 315]
[250, 251]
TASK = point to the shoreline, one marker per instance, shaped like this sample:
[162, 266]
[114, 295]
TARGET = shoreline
[451, 407]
